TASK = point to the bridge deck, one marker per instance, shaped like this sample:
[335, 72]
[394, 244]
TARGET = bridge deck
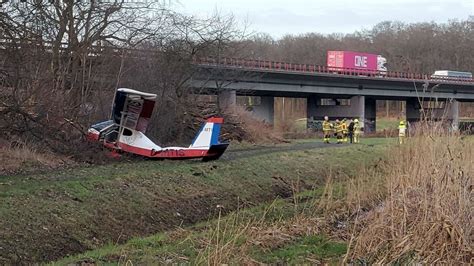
[283, 67]
[298, 80]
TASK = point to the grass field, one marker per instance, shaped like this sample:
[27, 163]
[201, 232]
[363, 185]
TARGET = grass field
[199, 244]
[385, 123]
[363, 213]
[51, 215]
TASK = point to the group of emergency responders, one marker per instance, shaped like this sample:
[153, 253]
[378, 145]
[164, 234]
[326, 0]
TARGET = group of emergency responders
[352, 130]
[343, 130]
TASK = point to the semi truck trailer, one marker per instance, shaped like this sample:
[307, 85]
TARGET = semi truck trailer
[363, 62]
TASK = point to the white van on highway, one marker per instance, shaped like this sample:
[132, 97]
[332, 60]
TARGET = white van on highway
[443, 74]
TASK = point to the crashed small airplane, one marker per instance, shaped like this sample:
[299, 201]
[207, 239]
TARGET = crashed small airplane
[125, 131]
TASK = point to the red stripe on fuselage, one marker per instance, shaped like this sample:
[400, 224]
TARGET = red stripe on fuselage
[216, 120]
[177, 154]
[165, 154]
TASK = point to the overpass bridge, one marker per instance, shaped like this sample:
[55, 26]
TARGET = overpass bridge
[323, 86]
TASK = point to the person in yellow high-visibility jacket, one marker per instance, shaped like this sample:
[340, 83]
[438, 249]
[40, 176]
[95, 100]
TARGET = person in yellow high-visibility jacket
[344, 130]
[402, 131]
[338, 127]
[327, 129]
[357, 131]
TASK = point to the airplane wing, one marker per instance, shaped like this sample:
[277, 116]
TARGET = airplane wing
[133, 109]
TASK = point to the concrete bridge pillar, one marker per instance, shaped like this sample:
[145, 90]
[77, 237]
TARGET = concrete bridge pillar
[359, 107]
[453, 114]
[265, 110]
[226, 99]
[449, 113]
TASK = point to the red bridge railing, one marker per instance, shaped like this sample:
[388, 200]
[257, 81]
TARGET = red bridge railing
[310, 68]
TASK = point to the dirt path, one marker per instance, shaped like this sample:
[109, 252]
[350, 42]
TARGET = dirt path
[260, 150]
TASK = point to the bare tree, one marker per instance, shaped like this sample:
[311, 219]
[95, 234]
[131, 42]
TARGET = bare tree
[64, 60]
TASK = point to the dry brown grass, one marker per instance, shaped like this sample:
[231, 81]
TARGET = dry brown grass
[248, 128]
[427, 215]
[233, 238]
[24, 156]
[287, 126]
[414, 207]
[221, 244]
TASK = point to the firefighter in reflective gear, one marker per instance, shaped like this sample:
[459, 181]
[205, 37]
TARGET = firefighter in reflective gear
[344, 130]
[327, 128]
[357, 131]
[338, 127]
[402, 131]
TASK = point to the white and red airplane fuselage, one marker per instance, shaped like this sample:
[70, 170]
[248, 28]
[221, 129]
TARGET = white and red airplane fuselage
[124, 131]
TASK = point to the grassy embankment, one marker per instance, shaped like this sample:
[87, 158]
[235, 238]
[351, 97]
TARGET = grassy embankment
[281, 231]
[414, 207]
[51, 215]
[262, 230]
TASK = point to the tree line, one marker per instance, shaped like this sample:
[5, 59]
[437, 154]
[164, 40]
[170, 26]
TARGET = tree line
[408, 47]
[61, 60]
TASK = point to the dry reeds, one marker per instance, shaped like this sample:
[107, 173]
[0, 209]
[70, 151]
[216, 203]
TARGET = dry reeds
[21, 155]
[220, 244]
[428, 213]
[232, 239]
[416, 206]
[250, 129]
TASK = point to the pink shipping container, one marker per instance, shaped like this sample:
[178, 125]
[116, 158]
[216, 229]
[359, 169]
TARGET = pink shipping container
[351, 60]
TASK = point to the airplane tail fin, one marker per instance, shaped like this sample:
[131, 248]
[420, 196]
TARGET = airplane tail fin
[208, 134]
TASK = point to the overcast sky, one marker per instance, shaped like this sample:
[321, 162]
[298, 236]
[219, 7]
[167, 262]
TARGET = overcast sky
[278, 17]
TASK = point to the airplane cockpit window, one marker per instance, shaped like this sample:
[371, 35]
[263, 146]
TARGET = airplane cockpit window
[127, 132]
[111, 136]
[100, 126]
